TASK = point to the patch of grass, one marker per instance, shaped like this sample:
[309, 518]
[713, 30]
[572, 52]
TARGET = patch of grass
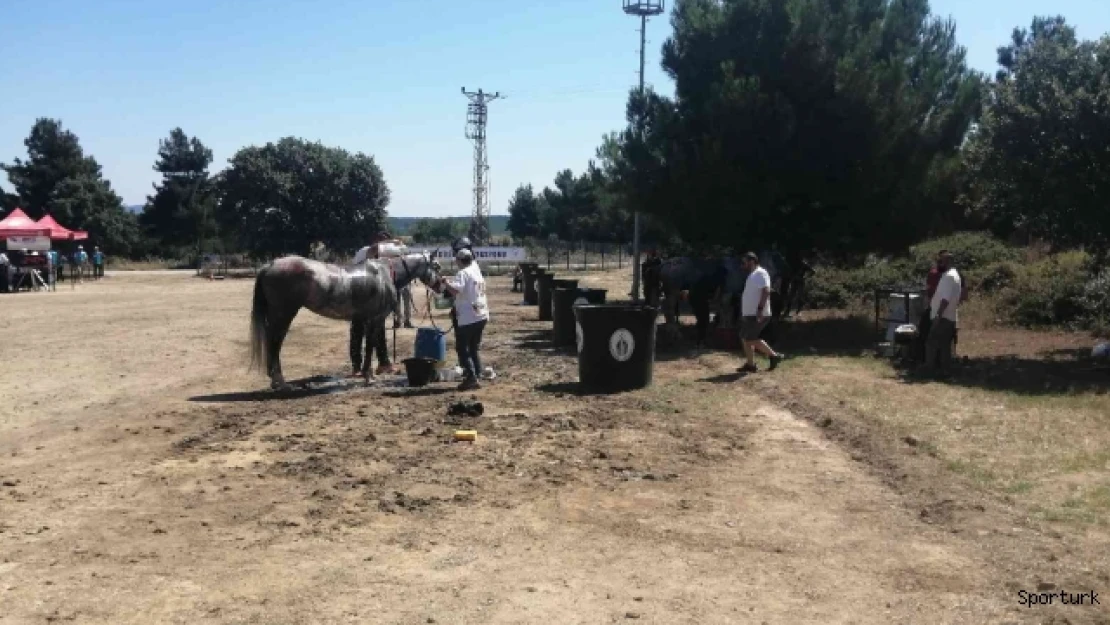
[1034, 446]
[1085, 461]
[971, 470]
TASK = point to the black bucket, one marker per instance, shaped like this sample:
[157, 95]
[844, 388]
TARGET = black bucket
[420, 371]
[616, 346]
[543, 287]
[562, 315]
[531, 295]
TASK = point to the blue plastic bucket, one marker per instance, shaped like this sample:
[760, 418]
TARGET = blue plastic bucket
[431, 343]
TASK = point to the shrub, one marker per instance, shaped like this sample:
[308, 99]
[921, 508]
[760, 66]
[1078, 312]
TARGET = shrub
[1051, 292]
[994, 277]
[825, 289]
[1096, 301]
[832, 287]
[972, 251]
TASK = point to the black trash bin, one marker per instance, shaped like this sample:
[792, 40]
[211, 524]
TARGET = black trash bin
[590, 296]
[616, 346]
[557, 283]
[531, 294]
[543, 288]
[562, 315]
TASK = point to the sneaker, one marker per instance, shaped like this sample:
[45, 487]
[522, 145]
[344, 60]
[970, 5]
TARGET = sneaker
[775, 360]
[383, 370]
[470, 384]
[748, 368]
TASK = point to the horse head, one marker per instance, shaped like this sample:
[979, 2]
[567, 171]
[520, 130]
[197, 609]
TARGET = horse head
[424, 267]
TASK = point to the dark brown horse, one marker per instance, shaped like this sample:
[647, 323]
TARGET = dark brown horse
[368, 290]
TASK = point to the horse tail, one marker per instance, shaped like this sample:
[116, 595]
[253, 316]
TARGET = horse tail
[259, 311]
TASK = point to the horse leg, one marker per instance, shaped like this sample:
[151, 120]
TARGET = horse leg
[276, 328]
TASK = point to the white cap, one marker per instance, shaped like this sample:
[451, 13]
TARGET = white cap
[464, 254]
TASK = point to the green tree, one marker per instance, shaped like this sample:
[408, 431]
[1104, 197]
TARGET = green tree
[525, 213]
[283, 197]
[438, 230]
[182, 210]
[816, 124]
[1039, 157]
[58, 178]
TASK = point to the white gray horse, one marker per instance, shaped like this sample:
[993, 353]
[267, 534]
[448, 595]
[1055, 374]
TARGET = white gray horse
[368, 290]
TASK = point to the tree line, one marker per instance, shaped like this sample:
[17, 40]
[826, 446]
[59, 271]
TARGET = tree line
[283, 197]
[844, 127]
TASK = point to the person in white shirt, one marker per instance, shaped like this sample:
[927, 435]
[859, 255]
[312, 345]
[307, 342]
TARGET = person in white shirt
[472, 312]
[945, 313]
[755, 311]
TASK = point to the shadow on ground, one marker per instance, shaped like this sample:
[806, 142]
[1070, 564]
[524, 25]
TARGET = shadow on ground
[1062, 372]
[298, 389]
[830, 335]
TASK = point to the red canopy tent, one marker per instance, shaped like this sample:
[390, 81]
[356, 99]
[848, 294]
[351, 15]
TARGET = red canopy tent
[59, 232]
[18, 224]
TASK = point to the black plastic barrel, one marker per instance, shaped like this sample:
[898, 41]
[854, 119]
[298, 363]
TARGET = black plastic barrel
[531, 294]
[543, 288]
[616, 346]
[559, 283]
[562, 315]
[590, 296]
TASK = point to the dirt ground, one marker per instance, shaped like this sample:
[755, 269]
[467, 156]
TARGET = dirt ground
[146, 478]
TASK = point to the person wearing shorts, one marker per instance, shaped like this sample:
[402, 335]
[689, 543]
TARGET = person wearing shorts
[755, 311]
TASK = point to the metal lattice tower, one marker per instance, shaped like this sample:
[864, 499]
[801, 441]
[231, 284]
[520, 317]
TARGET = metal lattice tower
[477, 114]
[643, 10]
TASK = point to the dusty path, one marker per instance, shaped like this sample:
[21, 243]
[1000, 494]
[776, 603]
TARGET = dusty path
[143, 482]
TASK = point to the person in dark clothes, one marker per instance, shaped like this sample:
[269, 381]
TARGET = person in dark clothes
[649, 273]
[373, 333]
[4, 264]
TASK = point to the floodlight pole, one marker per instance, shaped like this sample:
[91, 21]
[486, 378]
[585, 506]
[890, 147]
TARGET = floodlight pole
[642, 9]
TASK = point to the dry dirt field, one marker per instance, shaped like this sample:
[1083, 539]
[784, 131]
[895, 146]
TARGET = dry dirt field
[145, 478]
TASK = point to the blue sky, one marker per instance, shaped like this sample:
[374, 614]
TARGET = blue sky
[376, 76]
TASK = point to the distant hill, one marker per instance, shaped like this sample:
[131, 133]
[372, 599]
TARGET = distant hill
[400, 226]
[136, 208]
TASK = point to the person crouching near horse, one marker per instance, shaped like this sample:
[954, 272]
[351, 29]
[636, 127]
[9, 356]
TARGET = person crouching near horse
[472, 313]
[370, 331]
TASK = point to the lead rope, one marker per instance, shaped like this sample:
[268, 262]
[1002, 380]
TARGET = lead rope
[428, 310]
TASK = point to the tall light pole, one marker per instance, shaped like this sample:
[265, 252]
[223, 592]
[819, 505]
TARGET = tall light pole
[477, 114]
[642, 9]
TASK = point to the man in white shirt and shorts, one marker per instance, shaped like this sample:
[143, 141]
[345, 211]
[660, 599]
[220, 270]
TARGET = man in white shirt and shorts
[755, 312]
[944, 307]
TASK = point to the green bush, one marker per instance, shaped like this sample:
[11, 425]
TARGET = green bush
[986, 263]
[994, 277]
[971, 251]
[1053, 291]
[832, 287]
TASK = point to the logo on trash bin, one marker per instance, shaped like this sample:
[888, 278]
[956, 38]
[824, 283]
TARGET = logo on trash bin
[621, 345]
[578, 335]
